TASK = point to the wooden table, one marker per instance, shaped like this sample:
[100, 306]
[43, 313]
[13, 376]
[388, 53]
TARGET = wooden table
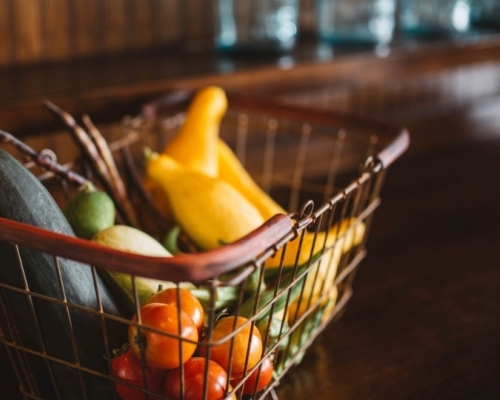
[424, 321]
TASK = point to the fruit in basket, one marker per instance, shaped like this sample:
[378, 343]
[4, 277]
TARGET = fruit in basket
[171, 347]
[313, 303]
[128, 368]
[232, 171]
[350, 233]
[26, 200]
[258, 379]
[195, 144]
[235, 344]
[183, 299]
[198, 146]
[209, 210]
[215, 379]
[133, 240]
[90, 211]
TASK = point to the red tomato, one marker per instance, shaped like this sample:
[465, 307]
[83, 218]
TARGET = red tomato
[128, 368]
[189, 303]
[247, 347]
[194, 379]
[259, 379]
[163, 351]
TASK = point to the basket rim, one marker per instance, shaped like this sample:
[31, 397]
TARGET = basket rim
[202, 266]
[395, 138]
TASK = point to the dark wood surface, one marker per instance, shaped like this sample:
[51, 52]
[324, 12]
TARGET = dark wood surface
[424, 321]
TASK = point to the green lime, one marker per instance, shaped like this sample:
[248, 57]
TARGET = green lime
[90, 211]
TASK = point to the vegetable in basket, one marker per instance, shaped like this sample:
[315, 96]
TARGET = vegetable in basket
[194, 146]
[235, 352]
[185, 300]
[129, 369]
[25, 199]
[127, 238]
[232, 171]
[259, 379]
[209, 210]
[163, 351]
[197, 146]
[193, 380]
[90, 211]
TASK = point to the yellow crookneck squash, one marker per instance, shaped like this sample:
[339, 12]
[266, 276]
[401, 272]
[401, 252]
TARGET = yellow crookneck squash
[195, 145]
[209, 210]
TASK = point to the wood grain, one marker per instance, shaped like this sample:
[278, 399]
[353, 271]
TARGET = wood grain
[56, 29]
[28, 31]
[35, 31]
[86, 24]
[6, 42]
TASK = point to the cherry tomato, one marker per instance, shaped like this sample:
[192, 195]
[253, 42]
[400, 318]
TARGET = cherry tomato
[189, 303]
[128, 368]
[163, 351]
[259, 379]
[194, 379]
[247, 347]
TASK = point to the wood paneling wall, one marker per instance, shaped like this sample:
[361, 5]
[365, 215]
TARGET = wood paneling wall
[37, 31]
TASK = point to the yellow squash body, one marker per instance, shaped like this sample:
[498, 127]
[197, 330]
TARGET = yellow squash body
[209, 210]
[232, 171]
[350, 234]
[195, 145]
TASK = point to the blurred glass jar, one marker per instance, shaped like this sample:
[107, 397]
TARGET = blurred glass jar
[434, 17]
[356, 21]
[485, 14]
[257, 25]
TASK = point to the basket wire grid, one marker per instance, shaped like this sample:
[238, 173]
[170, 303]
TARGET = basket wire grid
[290, 278]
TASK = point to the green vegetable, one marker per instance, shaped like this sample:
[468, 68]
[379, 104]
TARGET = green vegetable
[133, 240]
[24, 199]
[90, 211]
[265, 297]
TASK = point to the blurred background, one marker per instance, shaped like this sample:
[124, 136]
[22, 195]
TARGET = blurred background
[424, 319]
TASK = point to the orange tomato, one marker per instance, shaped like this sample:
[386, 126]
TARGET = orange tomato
[163, 350]
[194, 380]
[259, 378]
[184, 299]
[127, 367]
[246, 345]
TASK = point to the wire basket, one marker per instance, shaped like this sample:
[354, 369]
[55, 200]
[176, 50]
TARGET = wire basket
[287, 279]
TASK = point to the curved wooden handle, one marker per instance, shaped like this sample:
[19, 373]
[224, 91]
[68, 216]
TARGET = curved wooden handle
[195, 268]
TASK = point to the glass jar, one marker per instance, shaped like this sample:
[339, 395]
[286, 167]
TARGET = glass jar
[434, 17]
[256, 25]
[356, 21]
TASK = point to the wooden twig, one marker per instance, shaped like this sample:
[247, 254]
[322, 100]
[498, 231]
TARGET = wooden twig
[106, 155]
[43, 161]
[90, 151]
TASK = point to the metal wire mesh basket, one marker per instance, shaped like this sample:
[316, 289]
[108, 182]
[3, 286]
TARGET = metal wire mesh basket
[288, 279]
